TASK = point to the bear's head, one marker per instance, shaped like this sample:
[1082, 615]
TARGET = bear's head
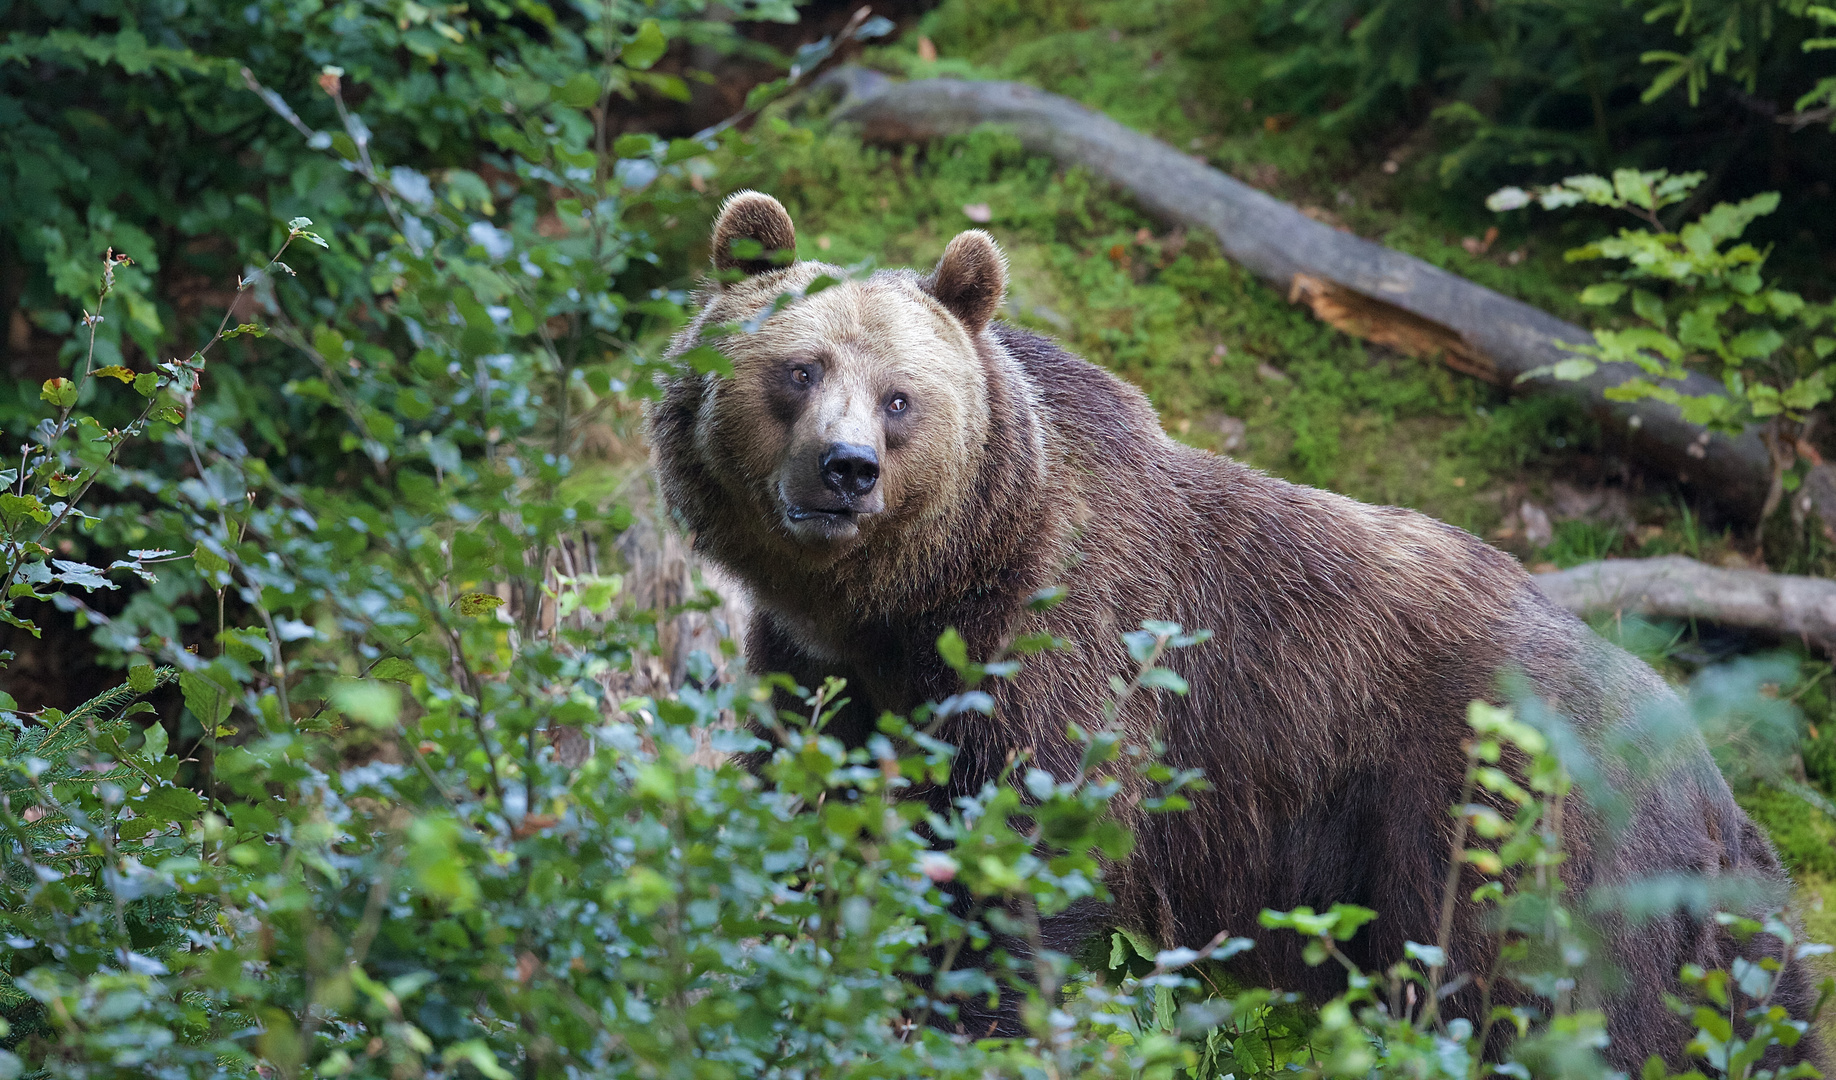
[853, 410]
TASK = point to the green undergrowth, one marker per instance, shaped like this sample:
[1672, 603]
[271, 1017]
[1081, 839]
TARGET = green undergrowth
[1209, 344]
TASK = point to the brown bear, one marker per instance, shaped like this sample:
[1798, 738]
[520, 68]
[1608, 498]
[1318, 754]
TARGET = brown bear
[886, 461]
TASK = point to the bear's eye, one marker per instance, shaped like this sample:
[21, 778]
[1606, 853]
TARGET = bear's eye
[800, 375]
[897, 404]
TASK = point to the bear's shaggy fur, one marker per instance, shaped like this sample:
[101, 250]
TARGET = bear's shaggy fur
[1330, 707]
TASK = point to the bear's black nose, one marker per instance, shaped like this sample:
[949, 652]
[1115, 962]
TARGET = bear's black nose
[850, 469]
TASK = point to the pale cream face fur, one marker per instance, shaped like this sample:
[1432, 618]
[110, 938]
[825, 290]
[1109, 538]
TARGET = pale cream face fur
[830, 369]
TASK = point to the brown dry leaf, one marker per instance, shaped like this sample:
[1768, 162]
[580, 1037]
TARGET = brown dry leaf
[532, 824]
[927, 50]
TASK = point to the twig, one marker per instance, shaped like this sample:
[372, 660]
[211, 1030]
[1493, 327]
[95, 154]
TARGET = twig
[829, 57]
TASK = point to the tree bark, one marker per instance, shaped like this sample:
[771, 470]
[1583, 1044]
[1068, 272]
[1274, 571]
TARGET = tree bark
[1355, 284]
[1675, 587]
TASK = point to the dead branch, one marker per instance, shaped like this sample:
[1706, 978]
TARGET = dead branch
[1675, 587]
[1357, 285]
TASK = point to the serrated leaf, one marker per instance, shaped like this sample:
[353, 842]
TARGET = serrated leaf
[207, 560]
[116, 371]
[155, 747]
[60, 392]
[1755, 343]
[479, 603]
[394, 669]
[16, 509]
[173, 803]
[141, 678]
[82, 575]
[207, 700]
[298, 223]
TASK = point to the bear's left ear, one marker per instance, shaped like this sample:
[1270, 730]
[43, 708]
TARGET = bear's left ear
[970, 279]
[757, 217]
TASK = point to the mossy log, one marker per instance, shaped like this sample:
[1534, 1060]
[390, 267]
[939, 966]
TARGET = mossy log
[1355, 284]
[1675, 587]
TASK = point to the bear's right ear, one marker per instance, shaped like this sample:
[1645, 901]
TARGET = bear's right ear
[970, 279]
[759, 218]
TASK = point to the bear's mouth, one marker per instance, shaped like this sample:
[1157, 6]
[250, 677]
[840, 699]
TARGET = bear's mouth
[824, 525]
[820, 514]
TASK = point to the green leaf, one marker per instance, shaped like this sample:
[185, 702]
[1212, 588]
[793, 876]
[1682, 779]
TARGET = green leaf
[141, 679]
[645, 47]
[369, 702]
[146, 384]
[1755, 343]
[580, 92]
[209, 561]
[208, 701]
[1575, 367]
[1603, 293]
[635, 144]
[1633, 187]
[394, 669]
[1650, 308]
[170, 415]
[155, 747]
[16, 509]
[1159, 678]
[81, 574]
[115, 371]
[174, 803]
[707, 360]
[62, 484]
[954, 650]
[478, 1055]
[479, 603]
[60, 392]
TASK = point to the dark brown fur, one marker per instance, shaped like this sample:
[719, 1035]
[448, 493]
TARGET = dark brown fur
[1328, 711]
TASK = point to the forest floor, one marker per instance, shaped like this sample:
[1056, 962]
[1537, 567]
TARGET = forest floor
[1231, 364]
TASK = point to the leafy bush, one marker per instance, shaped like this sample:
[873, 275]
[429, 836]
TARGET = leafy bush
[1572, 84]
[1768, 347]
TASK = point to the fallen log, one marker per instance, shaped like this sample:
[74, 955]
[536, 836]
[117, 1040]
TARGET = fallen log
[1355, 284]
[1675, 587]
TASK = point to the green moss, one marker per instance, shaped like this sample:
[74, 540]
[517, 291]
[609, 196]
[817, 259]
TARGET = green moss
[1815, 905]
[1804, 835]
